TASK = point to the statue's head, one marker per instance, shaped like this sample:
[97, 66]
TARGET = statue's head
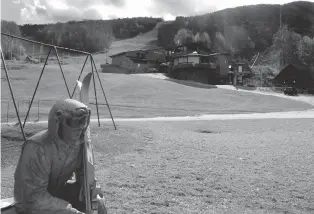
[68, 120]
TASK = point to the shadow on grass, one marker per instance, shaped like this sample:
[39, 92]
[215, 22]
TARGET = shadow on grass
[192, 83]
[204, 131]
[114, 69]
[246, 87]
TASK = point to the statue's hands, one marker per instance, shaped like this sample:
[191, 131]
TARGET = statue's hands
[97, 191]
[70, 209]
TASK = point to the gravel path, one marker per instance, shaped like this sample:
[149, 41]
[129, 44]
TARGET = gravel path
[303, 98]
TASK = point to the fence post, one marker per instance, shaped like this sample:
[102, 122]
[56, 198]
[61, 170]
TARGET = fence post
[38, 110]
[29, 103]
[8, 111]
[18, 106]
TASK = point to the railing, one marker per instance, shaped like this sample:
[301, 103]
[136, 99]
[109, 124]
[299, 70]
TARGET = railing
[38, 112]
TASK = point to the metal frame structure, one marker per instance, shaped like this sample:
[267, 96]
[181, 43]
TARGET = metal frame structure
[55, 48]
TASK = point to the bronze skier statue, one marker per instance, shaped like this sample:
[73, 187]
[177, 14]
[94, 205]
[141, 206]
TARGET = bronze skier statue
[48, 161]
[51, 157]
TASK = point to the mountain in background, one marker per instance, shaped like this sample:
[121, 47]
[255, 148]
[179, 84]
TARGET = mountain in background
[244, 30]
[88, 35]
[120, 28]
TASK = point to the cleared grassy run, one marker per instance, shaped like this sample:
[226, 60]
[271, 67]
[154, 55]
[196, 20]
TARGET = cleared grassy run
[251, 166]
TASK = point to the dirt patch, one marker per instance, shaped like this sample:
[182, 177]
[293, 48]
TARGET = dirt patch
[14, 78]
[203, 131]
[109, 68]
[15, 67]
[16, 135]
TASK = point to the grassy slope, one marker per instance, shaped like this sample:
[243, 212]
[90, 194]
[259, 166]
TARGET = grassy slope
[145, 41]
[135, 96]
[260, 166]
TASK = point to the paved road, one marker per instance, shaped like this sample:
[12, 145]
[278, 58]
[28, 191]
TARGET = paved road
[309, 114]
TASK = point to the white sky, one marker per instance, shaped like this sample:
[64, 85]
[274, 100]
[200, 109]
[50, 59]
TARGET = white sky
[44, 11]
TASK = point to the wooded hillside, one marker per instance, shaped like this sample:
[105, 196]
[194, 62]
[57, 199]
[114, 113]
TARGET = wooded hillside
[244, 30]
[88, 35]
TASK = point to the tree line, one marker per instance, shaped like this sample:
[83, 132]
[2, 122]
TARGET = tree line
[293, 47]
[90, 36]
[87, 35]
[11, 48]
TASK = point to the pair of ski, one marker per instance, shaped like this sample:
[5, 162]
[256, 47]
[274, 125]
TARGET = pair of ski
[90, 181]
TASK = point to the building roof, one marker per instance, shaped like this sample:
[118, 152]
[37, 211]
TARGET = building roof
[190, 44]
[138, 50]
[118, 54]
[302, 74]
[293, 70]
[204, 55]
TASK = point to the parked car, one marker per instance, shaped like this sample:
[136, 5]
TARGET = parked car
[310, 91]
[290, 91]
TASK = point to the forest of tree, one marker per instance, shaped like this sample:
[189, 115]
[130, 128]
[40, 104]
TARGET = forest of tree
[115, 28]
[87, 35]
[90, 36]
[245, 30]
[120, 28]
[293, 47]
[11, 48]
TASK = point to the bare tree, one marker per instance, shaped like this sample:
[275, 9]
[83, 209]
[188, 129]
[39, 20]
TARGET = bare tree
[287, 42]
[306, 50]
[11, 47]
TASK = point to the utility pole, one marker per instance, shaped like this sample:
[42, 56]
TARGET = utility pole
[280, 17]
[33, 53]
[280, 24]
[261, 78]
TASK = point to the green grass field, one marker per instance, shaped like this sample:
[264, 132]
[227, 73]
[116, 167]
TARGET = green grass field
[251, 166]
[131, 96]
